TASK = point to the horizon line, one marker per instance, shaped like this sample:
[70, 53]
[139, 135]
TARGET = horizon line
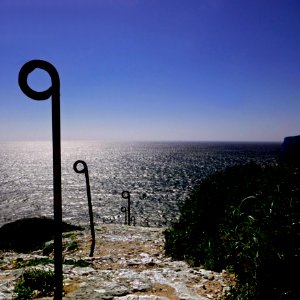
[143, 141]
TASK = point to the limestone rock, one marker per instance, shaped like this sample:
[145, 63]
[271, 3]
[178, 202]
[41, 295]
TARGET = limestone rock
[129, 264]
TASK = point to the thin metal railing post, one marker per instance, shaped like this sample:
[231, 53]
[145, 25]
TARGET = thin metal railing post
[54, 92]
[88, 191]
[124, 210]
[126, 195]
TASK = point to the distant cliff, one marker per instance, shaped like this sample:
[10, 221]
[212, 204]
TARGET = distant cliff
[290, 150]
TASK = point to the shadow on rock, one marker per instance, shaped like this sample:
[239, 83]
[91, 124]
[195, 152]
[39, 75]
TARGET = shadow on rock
[29, 234]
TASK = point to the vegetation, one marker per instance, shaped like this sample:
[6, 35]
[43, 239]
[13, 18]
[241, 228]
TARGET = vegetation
[34, 282]
[72, 245]
[48, 248]
[81, 263]
[23, 263]
[245, 219]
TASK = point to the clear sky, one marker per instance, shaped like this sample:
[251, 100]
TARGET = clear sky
[218, 70]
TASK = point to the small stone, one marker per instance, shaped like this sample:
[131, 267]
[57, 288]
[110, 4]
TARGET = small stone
[210, 277]
[100, 291]
[140, 286]
[82, 284]
[84, 271]
[141, 297]
[133, 262]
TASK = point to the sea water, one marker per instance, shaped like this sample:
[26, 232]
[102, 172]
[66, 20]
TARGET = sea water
[159, 176]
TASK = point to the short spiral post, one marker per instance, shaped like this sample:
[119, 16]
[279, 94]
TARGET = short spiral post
[126, 195]
[124, 210]
[132, 219]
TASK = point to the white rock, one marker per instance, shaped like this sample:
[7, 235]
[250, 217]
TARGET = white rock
[83, 271]
[141, 297]
[100, 291]
[4, 296]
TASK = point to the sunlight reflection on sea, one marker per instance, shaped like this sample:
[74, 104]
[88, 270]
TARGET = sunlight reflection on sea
[159, 176]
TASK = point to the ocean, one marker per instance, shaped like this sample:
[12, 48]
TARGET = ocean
[159, 176]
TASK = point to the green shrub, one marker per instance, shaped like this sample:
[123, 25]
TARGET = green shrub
[246, 219]
[48, 248]
[77, 263]
[72, 246]
[22, 292]
[21, 263]
[32, 282]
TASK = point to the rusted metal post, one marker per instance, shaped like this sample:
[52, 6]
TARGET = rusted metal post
[54, 92]
[126, 195]
[88, 191]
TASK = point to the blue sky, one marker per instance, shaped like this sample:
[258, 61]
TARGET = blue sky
[218, 70]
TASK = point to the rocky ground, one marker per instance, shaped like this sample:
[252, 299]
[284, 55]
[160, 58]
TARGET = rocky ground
[128, 264]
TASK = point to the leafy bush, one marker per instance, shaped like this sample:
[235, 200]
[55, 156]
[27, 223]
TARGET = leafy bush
[34, 281]
[22, 292]
[21, 263]
[72, 246]
[77, 263]
[245, 219]
[48, 248]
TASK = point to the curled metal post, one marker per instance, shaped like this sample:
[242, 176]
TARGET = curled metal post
[54, 92]
[124, 210]
[126, 195]
[88, 191]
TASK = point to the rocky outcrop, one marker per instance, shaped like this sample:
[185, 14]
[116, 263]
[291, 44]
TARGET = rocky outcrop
[290, 150]
[29, 234]
[128, 264]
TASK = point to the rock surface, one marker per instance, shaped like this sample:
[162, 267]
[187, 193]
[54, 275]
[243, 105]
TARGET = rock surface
[128, 264]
